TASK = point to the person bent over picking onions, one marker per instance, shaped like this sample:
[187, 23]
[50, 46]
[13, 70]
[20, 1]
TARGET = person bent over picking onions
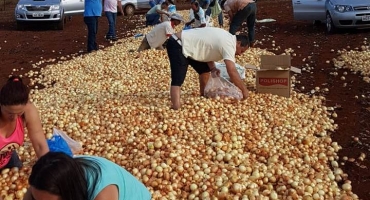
[200, 48]
[58, 176]
[16, 113]
[159, 34]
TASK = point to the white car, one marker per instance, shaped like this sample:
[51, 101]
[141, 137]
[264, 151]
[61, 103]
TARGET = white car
[336, 13]
[130, 6]
[54, 11]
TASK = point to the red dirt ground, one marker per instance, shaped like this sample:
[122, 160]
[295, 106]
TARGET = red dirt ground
[19, 49]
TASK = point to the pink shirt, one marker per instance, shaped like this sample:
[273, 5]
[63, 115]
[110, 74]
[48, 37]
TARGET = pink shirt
[14, 141]
[110, 6]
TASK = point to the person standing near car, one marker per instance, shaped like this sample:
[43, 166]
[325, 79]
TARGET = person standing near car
[110, 8]
[93, 10]
[240, 11]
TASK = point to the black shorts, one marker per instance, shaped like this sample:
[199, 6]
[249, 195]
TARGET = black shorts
[179, 64]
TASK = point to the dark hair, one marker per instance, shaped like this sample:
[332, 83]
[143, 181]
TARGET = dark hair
[222, 4]
[62, 175]
[171, 2]
[165, 3]
[244, 40]
[14, 92]
[195, 3]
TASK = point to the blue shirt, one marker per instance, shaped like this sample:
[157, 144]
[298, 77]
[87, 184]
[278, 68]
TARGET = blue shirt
[93, 8]
[129, 187]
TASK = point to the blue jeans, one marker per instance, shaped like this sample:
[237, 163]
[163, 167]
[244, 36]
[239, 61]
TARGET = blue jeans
[208, 11]
[247, 14]
[152, 19]
[92, 30]
[220, 16]
[112, 17]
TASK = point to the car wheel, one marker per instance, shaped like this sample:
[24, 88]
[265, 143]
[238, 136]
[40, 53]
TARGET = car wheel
[20, 26]
[129, 10]
[60, 25]
[330, 27]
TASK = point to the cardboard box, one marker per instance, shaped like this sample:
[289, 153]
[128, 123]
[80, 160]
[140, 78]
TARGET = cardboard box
[273, 76]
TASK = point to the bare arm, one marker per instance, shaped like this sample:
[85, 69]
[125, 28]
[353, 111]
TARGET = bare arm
[119, 4]
[35, 131]
[108, 193]
[230, 14]
[235, 77]
[162, 12]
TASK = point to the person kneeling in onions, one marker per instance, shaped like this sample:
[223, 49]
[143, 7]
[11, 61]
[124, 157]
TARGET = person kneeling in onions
[159, 34]
[200, 48]
[16, 113]
[57, 176]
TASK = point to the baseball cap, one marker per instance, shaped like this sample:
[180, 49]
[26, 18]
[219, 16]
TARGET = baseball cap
[176, 16]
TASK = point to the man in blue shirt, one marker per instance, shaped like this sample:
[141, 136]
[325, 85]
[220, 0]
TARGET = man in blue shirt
[93, 10]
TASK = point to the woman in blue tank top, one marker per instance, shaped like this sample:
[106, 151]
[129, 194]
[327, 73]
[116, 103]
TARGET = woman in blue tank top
[57, 176]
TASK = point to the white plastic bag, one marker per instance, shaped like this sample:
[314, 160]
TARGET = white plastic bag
[220, 87]
[223, 70]
[73, 145]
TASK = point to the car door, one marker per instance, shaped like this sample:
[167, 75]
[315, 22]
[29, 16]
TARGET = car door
[143, 4]
[73, 7]
[309, 9]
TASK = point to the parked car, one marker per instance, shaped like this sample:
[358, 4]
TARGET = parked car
[55, 11]
[335, 13]
[130, 6]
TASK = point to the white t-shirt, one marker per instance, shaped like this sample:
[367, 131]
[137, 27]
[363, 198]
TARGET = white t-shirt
[208, 44]
[158, 35]
[110, 6]
[202, 19]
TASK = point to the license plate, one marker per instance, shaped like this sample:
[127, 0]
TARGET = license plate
[37, 14]
[366, 18]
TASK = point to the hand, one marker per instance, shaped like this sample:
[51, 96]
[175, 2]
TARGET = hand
[245, 95]
[215, 72]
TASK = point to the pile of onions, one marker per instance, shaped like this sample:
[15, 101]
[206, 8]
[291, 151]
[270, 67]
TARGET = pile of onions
[117, 105]
[357, 60]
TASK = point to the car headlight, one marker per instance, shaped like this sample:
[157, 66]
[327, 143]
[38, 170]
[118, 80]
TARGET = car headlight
[21, 7]
[54, 7]
[343, 8]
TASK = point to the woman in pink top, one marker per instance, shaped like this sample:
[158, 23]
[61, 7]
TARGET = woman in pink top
[17, 112]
